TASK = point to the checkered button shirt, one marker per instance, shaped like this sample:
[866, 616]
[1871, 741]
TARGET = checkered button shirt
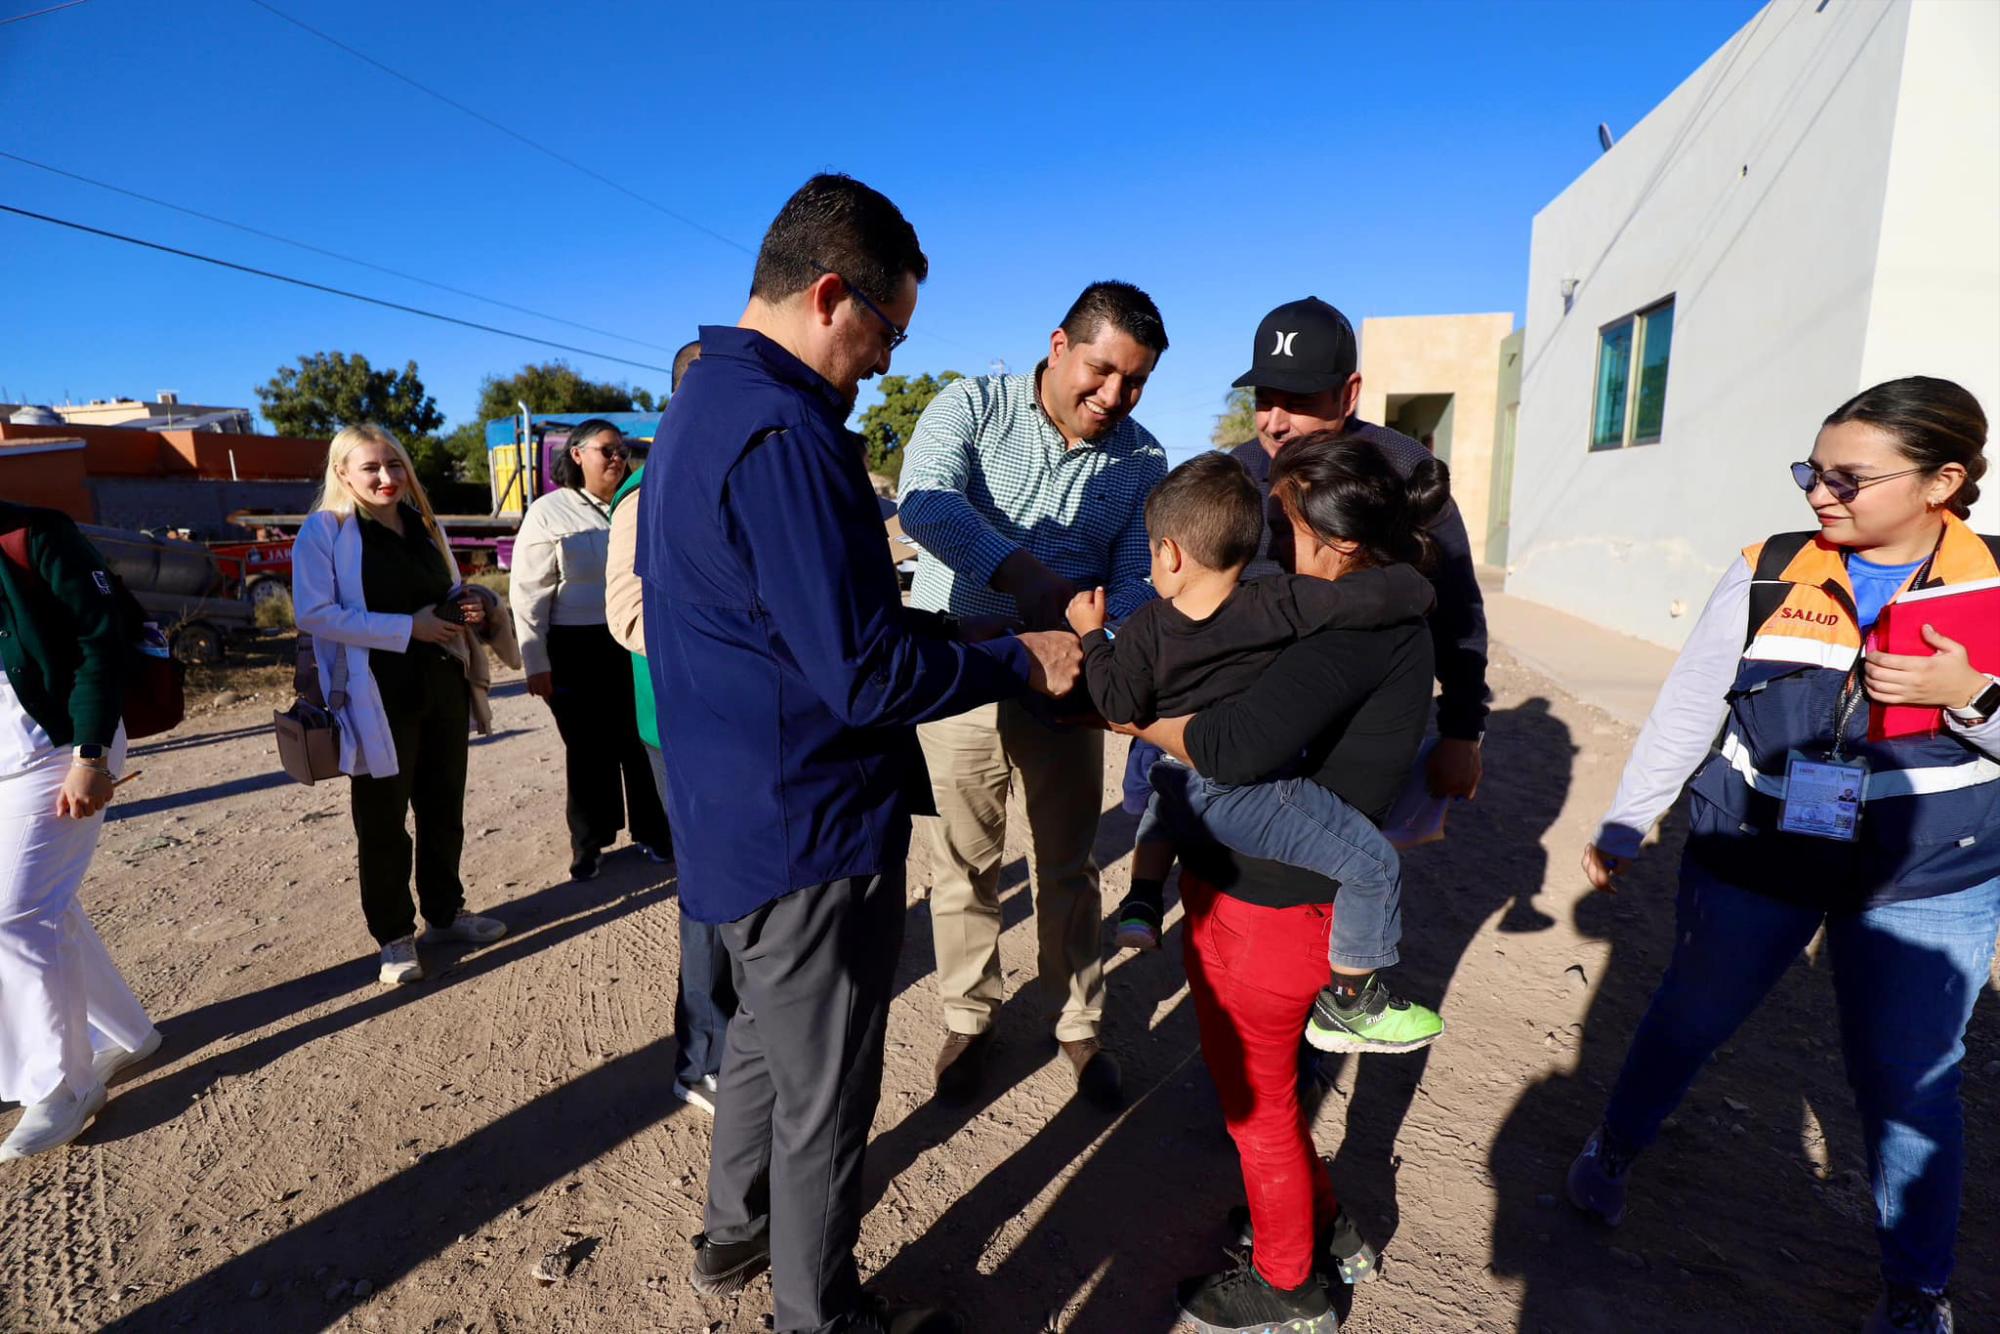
[987, 474]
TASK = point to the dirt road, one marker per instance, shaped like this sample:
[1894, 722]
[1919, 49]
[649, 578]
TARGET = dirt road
[313, 1151]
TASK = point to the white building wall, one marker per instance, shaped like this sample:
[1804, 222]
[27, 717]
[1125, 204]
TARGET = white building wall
[1753, 196]
[1936, 305]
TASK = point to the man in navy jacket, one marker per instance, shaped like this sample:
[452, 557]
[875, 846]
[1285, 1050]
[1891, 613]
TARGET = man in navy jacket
[790, 678]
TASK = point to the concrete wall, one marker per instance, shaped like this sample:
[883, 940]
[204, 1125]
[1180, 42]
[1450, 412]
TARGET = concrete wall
[1753, 195]
[1443, 354]
[202, 506]
[1935, 308]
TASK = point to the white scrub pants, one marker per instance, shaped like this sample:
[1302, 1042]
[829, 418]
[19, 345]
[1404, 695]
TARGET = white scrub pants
[60, 994]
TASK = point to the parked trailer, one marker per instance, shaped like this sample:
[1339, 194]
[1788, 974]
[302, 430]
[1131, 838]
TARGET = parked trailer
[182, 587]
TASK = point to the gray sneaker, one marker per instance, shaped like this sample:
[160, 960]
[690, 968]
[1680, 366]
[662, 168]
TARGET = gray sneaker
[1597, 1178]
[1910, 1311]
[469, 927]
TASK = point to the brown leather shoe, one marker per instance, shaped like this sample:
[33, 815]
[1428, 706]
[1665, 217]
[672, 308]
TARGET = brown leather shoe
[1096, 1069]
[959, 1064]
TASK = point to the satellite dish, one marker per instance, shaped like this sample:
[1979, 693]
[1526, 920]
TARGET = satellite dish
[1604, 139]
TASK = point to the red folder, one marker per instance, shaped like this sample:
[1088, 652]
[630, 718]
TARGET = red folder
[1968, 613]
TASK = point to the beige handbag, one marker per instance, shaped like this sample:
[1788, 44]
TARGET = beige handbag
[308, 733]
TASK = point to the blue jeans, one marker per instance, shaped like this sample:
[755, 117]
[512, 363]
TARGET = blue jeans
[1299, 823]
[1905, 976]
[1138, 794]
[706, 997]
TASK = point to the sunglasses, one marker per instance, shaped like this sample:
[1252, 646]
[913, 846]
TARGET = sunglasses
[1842, 486]
[608, 451]
[897, 334]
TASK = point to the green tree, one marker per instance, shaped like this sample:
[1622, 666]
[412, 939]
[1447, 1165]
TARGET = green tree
[888, 425]
[329, 390]
[552, 386]
[1237, 421]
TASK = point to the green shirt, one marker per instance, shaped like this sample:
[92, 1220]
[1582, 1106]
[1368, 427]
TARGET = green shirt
[62, 642]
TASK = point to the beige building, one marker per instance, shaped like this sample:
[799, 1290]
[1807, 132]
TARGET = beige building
[1436, 378]
[166, 413]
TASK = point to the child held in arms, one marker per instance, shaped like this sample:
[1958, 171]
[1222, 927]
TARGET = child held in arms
[1208, 637]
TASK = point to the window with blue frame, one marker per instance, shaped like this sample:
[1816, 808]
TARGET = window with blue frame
[1629, 402]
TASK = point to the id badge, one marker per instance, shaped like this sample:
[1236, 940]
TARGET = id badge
[1823, 798]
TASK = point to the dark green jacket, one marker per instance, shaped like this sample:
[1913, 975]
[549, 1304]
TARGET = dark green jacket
[61, 639]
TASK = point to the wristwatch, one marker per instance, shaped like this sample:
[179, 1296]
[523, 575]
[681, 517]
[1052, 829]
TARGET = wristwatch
[91, 756]
[1983, 706]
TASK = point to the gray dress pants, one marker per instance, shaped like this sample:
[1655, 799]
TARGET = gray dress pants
[801, 1075]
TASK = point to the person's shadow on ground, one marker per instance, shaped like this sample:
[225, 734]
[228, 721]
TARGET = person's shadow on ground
[1753, 1212]
[1490, 862]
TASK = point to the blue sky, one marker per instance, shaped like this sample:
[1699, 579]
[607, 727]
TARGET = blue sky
[1227, 157]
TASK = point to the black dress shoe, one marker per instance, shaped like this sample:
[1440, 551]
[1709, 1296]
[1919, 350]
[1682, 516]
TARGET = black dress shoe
[726, 1266]
[1097, 1077]
[960, 1062]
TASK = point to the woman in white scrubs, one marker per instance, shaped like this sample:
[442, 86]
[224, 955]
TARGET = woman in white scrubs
[68, 1021]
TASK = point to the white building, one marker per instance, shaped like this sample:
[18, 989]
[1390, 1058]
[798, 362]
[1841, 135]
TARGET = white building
[1815, 210]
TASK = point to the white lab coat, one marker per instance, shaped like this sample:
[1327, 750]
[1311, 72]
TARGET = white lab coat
[328, 604]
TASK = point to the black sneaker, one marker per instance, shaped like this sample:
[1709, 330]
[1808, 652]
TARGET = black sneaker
[1239, 1301]
[722, 1267]
[1342, 1252]
[583, 865]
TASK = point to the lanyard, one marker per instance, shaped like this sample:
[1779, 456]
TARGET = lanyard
[1852, 692]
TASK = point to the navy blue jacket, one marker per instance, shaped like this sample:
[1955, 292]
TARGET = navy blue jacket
[789, 675]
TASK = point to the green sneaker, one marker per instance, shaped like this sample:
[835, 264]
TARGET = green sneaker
[1378, 1021]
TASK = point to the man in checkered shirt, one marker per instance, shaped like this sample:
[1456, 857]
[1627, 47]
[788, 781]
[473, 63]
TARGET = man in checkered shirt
[1023, 490]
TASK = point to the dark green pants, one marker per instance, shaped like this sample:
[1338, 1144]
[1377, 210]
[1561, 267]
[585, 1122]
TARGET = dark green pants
[429, 716]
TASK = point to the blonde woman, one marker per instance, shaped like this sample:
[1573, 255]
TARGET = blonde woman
[374, 583]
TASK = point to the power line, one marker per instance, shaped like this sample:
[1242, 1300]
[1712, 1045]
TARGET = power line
[333, 291]
[511, 133]
[542, 148]
[330, 254]
[37, 13]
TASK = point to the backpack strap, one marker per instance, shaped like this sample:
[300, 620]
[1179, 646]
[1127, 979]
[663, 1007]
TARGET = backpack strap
[1768, 587]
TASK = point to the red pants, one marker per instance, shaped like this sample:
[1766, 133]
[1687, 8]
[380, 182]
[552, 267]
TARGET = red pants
[1253, 973]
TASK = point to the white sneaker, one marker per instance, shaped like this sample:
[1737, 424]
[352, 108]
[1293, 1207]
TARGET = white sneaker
[114, 1058]
[399, 963]
[53, 1122]
[469, 927]
[699, 1095]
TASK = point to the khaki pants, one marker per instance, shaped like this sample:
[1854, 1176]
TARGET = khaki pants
[974, 760]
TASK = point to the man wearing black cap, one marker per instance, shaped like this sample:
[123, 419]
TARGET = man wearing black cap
[1304, 369]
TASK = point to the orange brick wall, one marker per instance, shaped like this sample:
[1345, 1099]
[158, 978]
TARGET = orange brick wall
[53, 478]
[113, 451]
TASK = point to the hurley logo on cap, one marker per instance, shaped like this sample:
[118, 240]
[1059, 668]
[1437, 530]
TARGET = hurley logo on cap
[1283, 346]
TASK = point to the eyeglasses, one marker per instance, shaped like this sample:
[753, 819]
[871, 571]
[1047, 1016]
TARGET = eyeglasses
[608, 451]
[1843, 486]
[897, 334]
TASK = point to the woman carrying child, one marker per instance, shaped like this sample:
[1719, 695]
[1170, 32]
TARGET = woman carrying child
[1354, 701]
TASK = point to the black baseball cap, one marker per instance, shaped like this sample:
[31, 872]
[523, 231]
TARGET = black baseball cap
[1302, 347]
